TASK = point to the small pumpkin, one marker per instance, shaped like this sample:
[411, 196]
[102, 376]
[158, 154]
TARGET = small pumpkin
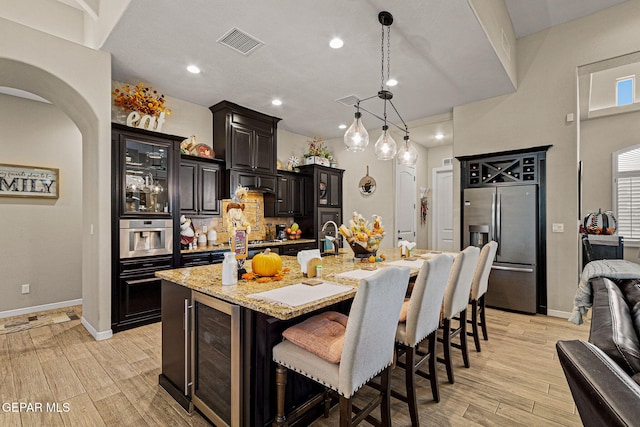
[600, 223]
[266, 264]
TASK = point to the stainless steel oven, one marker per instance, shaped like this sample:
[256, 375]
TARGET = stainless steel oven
[140, 237]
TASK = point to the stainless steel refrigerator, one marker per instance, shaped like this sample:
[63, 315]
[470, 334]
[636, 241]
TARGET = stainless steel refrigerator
[508, 215]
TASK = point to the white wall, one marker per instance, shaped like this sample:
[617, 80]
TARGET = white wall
[40, 241]
[535, 115]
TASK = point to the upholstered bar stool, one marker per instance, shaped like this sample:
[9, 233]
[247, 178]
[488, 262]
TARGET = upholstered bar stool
[367, 341]
[421, 323]
[479, 287]
[456, 300]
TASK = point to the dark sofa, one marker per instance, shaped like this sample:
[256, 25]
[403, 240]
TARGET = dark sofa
[604, 373]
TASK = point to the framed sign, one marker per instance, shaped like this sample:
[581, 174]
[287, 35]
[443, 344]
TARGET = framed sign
[239, 243]
[29, 181]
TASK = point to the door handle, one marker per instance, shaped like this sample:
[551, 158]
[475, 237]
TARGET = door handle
[186, 346]
[517, 269]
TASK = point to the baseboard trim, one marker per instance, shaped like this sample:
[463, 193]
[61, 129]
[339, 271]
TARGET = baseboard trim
[37, 308]
[98, 336]
[558, 313]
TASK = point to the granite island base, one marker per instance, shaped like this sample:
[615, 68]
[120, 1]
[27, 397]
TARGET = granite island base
[217, 341]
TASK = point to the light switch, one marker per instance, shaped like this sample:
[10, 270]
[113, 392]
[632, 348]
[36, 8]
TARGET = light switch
[558, 228]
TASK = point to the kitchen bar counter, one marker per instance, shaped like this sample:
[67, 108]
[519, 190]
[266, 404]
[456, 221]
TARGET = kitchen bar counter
[216, 341]
[208, 280]
[224, 247]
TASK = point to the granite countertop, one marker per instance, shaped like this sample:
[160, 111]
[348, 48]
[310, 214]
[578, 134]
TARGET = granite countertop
[224, 247]
[208, 280]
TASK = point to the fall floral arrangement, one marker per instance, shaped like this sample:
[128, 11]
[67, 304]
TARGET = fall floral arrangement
[362, 235]
[317, 148]
[140, 98]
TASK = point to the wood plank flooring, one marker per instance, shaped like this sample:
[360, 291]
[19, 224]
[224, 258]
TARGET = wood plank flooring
[515, 380]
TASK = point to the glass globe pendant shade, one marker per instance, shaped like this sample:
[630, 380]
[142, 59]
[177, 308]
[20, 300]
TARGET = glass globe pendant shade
[385, 147]
[407, 155]
[356, 138]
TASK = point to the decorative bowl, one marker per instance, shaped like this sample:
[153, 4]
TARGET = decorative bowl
[361, 252]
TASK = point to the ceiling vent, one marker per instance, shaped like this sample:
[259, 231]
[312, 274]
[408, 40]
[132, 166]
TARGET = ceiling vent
[349, 101]
[240, 41]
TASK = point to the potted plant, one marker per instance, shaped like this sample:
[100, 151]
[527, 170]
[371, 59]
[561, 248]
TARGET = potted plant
[318, 153]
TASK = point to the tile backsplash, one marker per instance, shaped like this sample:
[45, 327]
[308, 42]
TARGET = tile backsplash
[254, 214]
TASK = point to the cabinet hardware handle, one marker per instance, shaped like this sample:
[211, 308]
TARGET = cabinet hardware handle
[186, 345]
[140, 281]
[150, 264]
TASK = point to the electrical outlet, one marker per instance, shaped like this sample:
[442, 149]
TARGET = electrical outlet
[558, 228]
[25, 288]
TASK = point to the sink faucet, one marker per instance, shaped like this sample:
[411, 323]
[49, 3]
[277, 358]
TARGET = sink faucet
[334, 240]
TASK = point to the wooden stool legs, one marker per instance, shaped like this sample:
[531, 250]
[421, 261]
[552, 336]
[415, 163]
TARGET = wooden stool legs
[281, 385]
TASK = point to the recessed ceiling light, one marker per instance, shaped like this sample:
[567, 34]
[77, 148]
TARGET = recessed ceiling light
[276, 102]
[193, 69]
[392, 82]
[342, 127]
[336, 43]
[439, 136]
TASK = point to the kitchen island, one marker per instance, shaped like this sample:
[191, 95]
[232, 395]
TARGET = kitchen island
[217, 340]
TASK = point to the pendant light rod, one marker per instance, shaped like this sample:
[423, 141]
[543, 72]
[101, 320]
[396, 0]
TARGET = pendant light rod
[360, 107]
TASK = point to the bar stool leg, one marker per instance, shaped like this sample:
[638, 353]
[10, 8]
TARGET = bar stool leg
[463, 338]
[345, 412]
[327, 403]
[446, 346]
[433, 375]
[474, 324]
[385, 388]
[409, 372]
[281, 385]
[483, 321]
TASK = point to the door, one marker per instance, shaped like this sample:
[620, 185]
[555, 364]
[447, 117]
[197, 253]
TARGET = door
[282, 195]
[263, 150]
[442, 209]
[188, 187]
[241, 145]
[209, 179]
[406, 202]
[335, 189]
[516, 224]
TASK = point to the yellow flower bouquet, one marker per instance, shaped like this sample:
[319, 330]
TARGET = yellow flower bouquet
[141, 99]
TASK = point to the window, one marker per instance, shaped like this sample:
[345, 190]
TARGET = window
[626, 192]
[624, 91]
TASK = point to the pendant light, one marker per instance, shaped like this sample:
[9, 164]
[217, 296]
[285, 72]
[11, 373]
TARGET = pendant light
[386, 146]
[356, 137]
[407, 154]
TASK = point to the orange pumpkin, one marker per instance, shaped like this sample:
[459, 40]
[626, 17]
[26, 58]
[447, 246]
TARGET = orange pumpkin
[266, 264]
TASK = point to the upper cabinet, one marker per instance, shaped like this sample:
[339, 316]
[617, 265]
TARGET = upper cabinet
[199, 186]
[144, 180]
[289, 198]
[328, 185]
[247, 141]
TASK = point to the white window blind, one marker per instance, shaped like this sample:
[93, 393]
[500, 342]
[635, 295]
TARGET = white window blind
[627, 192]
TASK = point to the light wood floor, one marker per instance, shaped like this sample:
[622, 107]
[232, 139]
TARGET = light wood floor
[515, 380]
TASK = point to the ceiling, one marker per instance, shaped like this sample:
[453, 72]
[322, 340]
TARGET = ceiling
[440, 55]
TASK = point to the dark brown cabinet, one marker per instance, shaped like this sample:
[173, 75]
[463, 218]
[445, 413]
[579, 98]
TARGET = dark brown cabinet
[289, 199]
[293, 249]
[145, 190]
[138, 291]
[199, 187]
[246, 140]
[323, 199]
[201, 258]
[176, 343]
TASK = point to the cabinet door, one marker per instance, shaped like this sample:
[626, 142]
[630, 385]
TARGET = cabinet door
[175, 335]
[323, 188]
[264, 152]
[282, 194]
[139, 297]
[335, 189]
[209, 189]
[188, 187]
[296, 196]
[241, 147]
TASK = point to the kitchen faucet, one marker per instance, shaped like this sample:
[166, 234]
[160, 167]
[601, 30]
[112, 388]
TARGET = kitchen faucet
[334, 240]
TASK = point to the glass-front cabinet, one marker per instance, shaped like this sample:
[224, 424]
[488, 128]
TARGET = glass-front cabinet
[146, 165]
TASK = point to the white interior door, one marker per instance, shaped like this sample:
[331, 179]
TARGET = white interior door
[442, 209]
[406, 202]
